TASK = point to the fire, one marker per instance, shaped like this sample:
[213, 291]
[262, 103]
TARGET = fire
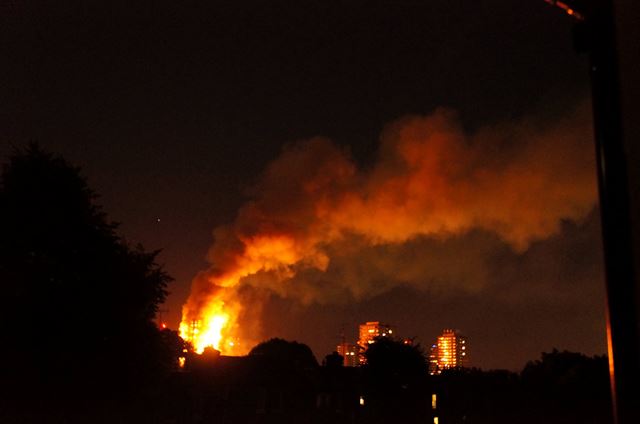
[212, 329]
[207, 332]
[212, 320]
[432, 180]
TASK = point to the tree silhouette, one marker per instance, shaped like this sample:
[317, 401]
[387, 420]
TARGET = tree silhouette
[333, 360]
[298, 355]
[394, 361]
[570, 386]
[395, 381]
[78, 303]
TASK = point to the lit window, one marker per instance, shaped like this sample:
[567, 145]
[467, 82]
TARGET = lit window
[361, 400]
[435, 420]
[434, 400]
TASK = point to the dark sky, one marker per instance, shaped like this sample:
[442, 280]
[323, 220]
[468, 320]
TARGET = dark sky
[173, 110]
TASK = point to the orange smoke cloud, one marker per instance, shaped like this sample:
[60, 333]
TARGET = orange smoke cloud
[431, 179]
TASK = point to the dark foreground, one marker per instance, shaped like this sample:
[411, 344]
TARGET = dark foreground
[563, 387]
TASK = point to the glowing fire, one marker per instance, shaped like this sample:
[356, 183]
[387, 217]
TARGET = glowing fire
[213, 320]
[211, 330]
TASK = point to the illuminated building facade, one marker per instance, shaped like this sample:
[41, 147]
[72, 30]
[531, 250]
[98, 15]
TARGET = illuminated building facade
[372, 329]
[368, 333]
[349, 353]
[449, 352]
[193, 331]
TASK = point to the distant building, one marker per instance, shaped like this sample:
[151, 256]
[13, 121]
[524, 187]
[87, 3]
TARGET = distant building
[350, 353]
[372, 329]
[368, 333]
[433, 360]
[449, 352]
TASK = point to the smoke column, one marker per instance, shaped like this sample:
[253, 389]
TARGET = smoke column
[431, 178]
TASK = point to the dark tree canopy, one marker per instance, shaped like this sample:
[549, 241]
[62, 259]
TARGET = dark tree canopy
[77, 301]
[395, 359]
[333, 360]
[297, 354]
[395, 381]
[564, 375]
[568, 386]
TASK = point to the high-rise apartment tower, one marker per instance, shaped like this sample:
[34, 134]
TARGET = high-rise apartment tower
[449, 351]
[369, 331]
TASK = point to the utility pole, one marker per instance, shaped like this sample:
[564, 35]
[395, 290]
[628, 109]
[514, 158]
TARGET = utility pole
[608, 31]
[343, 344]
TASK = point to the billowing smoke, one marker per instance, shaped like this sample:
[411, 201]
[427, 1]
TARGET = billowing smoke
[314, 211]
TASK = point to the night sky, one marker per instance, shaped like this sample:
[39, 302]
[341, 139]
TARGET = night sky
[179, 113]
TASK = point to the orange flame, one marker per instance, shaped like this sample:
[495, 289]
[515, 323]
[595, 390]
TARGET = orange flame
[213, 327]
[215, 323]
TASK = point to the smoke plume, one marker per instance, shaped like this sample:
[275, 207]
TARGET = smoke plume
[515, 182]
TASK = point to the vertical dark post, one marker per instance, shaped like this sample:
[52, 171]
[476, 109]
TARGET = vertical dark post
[615, 208]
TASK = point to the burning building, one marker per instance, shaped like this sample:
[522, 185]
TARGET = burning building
[449, 352]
